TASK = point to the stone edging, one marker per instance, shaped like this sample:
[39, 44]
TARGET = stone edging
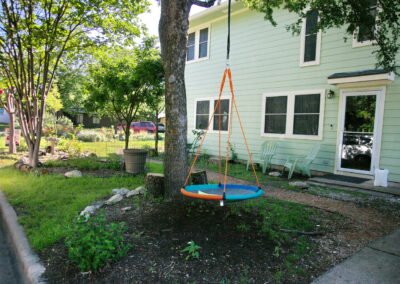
[28, 261]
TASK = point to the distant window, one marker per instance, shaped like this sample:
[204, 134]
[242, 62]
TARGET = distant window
[366, 30]
[79, 118]
[197, 45]
[297, 114]
[310, 40]
[190, 47]
[96, 120]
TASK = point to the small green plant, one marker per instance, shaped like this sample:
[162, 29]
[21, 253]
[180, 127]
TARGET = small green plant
[93, 242]
[234, 155]
[72, 147]
[192, 250]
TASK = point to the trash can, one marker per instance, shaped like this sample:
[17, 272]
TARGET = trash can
[381, 177]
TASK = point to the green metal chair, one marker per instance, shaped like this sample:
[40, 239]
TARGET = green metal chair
[268, 150]
[301, 164]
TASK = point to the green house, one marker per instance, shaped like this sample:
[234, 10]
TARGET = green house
[298, 90]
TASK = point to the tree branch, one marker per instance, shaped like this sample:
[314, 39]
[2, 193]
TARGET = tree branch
[205, 4]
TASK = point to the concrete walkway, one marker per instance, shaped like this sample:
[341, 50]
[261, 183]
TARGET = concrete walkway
[378, 263]
[9, 273]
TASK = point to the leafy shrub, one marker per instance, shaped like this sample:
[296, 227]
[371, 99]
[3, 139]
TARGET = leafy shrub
[91, 136]
[93, 242]
[60, 126]
[72, 147]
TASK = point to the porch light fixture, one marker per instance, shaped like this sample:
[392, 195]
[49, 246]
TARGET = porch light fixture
[330, 94]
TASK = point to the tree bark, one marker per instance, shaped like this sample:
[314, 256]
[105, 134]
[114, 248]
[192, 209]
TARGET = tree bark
[12, 149]
[173, 29]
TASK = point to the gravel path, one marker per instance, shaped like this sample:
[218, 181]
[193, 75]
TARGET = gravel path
[372, 224]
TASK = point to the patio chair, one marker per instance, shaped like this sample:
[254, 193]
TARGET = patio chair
[268, 150]
[302, 164]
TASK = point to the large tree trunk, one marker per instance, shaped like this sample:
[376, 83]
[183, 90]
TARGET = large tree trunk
[173, 29]
[12, 149]
[156, 136]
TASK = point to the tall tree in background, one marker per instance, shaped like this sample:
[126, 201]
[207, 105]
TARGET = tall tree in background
[34, 35]
[7, 102]
[173, 28]
[123, 81]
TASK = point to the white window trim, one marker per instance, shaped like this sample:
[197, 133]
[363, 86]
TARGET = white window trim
[302, 46]
[196, 30]
[290, 114]
[357, 43]
[79, 118]
[211, 110]
[378, 128]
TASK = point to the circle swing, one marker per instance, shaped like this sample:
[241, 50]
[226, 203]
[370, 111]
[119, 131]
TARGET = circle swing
[223, 191]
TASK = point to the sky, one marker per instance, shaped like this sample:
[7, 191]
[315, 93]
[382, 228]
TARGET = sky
[151, 19]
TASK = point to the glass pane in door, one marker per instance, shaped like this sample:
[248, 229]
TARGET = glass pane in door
[358, 134]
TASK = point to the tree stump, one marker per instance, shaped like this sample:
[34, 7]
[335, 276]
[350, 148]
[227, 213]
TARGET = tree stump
[199, 177]
[154, 183]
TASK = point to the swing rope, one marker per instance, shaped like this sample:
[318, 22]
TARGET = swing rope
[227, 73]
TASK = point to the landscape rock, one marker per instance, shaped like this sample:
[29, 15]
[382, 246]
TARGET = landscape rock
[122, 191]
[92, 155]
[114, 199]
[126, 209]
[275, 174]
[299, 184]
[136, 191]
[73, 174]
[89, 210]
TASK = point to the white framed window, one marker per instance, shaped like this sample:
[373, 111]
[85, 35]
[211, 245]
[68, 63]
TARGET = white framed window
[79, 118]
[198, 44]
[204, 109]
[310, 43]
[297, 114]
[96, 120]
[364, 35]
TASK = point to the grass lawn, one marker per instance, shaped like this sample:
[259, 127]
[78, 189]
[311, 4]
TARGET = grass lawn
[47, 204]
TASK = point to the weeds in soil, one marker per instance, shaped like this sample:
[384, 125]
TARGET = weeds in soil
[192, 250]
[93, 242]
[113, 162]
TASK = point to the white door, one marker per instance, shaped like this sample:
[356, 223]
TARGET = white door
[360, 131]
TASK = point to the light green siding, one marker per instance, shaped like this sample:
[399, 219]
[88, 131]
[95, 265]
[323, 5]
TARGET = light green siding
[265, 59]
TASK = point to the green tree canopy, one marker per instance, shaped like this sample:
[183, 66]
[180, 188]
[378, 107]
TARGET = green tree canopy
[122, 81]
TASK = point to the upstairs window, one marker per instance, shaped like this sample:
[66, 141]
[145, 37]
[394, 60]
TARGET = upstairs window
[190, 47]
[365, 31]
[197, 45]
[310, 40]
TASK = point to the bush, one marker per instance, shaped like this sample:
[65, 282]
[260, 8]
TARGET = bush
[91, 136]
[72, 147]
[92, 243]
[63, 125]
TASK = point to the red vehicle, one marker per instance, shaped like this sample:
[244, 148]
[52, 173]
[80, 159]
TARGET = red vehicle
[142, 126]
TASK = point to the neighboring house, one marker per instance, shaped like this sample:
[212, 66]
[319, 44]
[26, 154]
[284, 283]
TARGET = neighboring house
[90, 121]
[296, 90]
[4, 117]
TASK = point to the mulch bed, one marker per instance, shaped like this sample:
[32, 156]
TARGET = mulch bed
[160, 230]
